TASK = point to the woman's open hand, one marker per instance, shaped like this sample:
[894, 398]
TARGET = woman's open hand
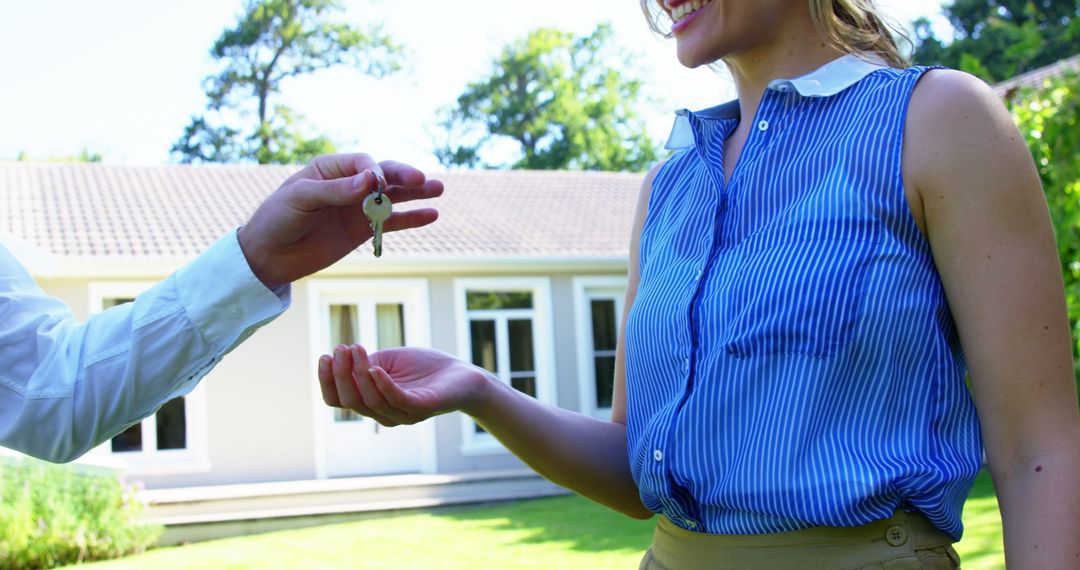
[400, 385]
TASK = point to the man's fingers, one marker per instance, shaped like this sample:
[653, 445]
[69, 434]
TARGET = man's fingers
[410, 219]
[429, 189]
[401, 174]
[309, 195]
[333, 166]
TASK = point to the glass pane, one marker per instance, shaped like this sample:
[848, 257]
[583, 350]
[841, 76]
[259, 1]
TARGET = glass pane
[525, 384]
[129, 440]
[343, 415]
[172, 425]
[482, 335]
[110, 303]
[343, 325]
[390, 324]
[605, 380]
[603, 324]
[489, 300]
[521, 345]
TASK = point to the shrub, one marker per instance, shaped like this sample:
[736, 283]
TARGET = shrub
[53, 515]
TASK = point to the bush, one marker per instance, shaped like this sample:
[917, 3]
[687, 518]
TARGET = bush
[52, 515]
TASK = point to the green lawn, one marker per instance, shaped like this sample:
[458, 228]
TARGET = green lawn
[564, 532]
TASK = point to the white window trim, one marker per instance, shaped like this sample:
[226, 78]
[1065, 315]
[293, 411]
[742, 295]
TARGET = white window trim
[474, 444]
[412, 294]
[153, 462]
[585, 289]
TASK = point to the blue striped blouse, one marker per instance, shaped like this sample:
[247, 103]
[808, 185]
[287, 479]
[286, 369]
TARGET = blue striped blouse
[791, 358]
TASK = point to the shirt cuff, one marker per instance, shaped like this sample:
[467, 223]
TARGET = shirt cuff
[224, 298]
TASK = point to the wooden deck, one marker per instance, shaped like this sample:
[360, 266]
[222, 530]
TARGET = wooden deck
[194, 514]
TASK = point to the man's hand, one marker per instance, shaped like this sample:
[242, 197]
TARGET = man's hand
[316, 217]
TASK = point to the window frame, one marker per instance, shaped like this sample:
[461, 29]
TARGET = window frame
[585, 290]
[195, 457]
[473, 443]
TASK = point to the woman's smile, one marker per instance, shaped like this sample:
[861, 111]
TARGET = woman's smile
[682, 12]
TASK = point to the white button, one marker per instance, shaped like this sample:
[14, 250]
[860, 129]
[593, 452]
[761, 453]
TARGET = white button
[690, 524]
[686, 364]
[658, 455]
[763, 125]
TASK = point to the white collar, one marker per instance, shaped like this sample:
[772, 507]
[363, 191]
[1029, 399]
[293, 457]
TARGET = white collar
[825, 81]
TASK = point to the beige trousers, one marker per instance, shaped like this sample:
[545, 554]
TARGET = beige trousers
[906, 540]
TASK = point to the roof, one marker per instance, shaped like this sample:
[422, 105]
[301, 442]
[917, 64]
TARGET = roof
[105, 213]
[1036, 77]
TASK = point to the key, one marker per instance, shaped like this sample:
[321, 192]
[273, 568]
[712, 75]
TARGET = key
[377, 208]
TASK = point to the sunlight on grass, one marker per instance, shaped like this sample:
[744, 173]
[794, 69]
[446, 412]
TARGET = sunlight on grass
[564, 532]
[982, 547]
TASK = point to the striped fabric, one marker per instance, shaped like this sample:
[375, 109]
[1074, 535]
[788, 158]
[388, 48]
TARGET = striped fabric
[791, 358]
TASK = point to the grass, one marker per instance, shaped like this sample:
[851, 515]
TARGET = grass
[564, 532]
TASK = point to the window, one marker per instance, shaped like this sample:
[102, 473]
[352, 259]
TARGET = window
[599, 308]
[506, 330]
[166, 429]
[173, 439]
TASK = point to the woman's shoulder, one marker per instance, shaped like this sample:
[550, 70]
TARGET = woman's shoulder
[953, 107]
[959, 137]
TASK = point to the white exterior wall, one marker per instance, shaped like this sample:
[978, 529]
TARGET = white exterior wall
[262, 400]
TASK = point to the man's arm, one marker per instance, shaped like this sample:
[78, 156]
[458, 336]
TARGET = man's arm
[67, 386]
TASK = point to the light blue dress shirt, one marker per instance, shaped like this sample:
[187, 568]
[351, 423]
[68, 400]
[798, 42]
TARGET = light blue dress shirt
[67, 386]
[791, 357]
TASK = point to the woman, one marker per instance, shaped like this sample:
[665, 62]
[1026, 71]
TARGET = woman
[811, 277]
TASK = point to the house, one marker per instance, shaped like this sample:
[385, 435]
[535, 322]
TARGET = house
[524, 274]
[1008, 89]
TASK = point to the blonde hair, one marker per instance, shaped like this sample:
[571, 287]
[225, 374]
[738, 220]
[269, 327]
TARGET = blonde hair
[852, 26]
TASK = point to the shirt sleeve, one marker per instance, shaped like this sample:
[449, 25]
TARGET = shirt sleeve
[67, 386]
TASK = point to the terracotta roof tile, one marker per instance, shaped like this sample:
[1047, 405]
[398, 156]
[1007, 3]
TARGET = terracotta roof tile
[1036, 77]
[104, 211]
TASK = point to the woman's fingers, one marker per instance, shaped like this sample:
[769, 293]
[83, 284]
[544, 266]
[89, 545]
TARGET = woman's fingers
[395, 396]
[326, 381]
[346, 384]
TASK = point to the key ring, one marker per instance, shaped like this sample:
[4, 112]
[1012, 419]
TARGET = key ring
[380, 183]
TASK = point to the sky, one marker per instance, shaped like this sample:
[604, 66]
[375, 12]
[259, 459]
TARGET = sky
[122, 78]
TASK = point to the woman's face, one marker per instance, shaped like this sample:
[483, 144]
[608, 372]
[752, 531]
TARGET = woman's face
[709, 30]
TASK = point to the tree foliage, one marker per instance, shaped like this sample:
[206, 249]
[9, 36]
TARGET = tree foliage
[997, 40]
[85, 155]
[1048, 118]
[558, 101]
[272, 41]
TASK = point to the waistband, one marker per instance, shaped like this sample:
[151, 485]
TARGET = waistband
[817, 547]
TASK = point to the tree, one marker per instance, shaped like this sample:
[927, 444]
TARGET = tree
[559, 101]
[997, 40]
[272, 41]
[85, 155]
[1049, 117]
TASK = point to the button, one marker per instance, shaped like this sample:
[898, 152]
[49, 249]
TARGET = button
[763, 125]
[896, 535]
[658, 455]
[690, 523]
[686, 365]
